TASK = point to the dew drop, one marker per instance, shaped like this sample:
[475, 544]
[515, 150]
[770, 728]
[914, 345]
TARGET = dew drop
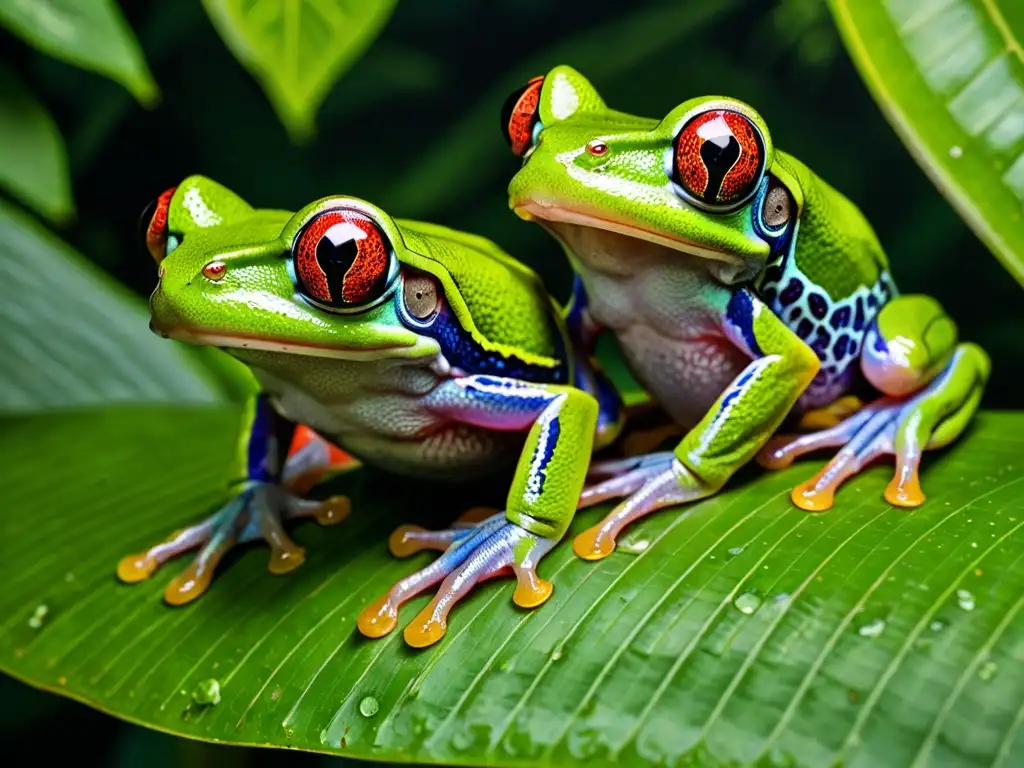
[872, 629]
[462, 741]
[937, 625]
[747, 603]
[38, 616]
[987, 670]
[369, 706]
[634, 546]
[556, 654]
[206, 692]
[956, 152]
[734, 551]
[965, 599]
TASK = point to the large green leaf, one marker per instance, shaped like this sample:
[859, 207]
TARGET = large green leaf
[296, 49]
[949, 76]
[70, 337]
[739, 629]
[33, 160]
[92, 34]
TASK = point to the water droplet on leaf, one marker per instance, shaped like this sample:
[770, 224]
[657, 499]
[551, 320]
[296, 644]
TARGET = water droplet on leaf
[987, 670]
[747, 603]
[872, 629]
[38, 616]
[369, 706]
[734, 551]
[965, 599]
[206, 692]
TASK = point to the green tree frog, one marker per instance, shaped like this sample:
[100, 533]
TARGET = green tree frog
[415, 348]
[745, 293]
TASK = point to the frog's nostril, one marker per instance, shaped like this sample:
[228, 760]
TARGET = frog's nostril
[215, 270]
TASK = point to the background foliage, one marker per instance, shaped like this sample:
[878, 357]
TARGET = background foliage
[88, 135]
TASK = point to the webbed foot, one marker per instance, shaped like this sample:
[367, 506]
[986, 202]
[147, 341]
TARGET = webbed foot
[650, 482]
[472, 553]
[903, 427]
[256, 513]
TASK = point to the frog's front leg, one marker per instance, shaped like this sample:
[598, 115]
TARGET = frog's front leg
[729, 435]
[257, 510]
[931, 387]
[560, 423]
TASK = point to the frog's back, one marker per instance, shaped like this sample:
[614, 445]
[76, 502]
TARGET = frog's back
[506, 300]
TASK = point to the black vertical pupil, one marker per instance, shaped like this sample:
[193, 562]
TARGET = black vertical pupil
[144, 219]
[335, 260]
[719, 155]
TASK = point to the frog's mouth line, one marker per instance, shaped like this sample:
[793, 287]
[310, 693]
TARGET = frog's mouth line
[263, 344]
[555, 213]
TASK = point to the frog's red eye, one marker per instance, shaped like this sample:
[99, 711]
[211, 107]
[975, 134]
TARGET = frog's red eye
[520, 114]
[719, 158]
[154, 225]
[343, 260]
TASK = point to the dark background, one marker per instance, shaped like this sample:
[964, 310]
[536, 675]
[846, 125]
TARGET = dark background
[413, 127]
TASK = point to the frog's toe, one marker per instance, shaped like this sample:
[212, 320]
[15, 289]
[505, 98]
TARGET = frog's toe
[491, 549]
[661, 485]
[407, 540]
[872, 437]
[615, 478]
[257, 513]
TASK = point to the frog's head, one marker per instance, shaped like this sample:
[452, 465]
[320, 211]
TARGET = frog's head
[696, 181]
[322, 281]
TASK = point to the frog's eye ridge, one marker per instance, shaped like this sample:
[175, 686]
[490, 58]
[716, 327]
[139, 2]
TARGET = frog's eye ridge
[153, 225]
[342, 260]
[520, 114]
[718, 158]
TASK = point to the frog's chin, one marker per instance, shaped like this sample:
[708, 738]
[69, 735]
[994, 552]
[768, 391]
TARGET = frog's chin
[241, 342]
[532, 209]
[726, 267]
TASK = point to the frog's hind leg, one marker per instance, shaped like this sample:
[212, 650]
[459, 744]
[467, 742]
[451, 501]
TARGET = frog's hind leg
[931, 388]
[312, 459]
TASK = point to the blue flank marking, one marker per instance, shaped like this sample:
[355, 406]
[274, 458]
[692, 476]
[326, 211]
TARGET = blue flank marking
[529, 401]
[574, 319]
[548, 450]
[463, 352]
[740, 313]
[261, 432]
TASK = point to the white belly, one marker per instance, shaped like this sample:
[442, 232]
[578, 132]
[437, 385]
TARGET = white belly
[666, 312]
[375, 411]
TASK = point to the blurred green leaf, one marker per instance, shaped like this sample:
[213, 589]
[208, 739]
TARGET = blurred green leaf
[70, 337]
[740, 631]
[296, 49]
[92, 34]
[949, 77]
[33, 160]
[455, 167]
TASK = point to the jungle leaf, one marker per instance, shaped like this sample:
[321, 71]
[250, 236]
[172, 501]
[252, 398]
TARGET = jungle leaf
[739, 631]
[296, 49]
[33, 160]
[92, 34]
[70, 337]
[949, 77]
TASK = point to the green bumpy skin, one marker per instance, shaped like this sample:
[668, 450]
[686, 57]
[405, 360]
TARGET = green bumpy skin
[425, 351]
[747, 294]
